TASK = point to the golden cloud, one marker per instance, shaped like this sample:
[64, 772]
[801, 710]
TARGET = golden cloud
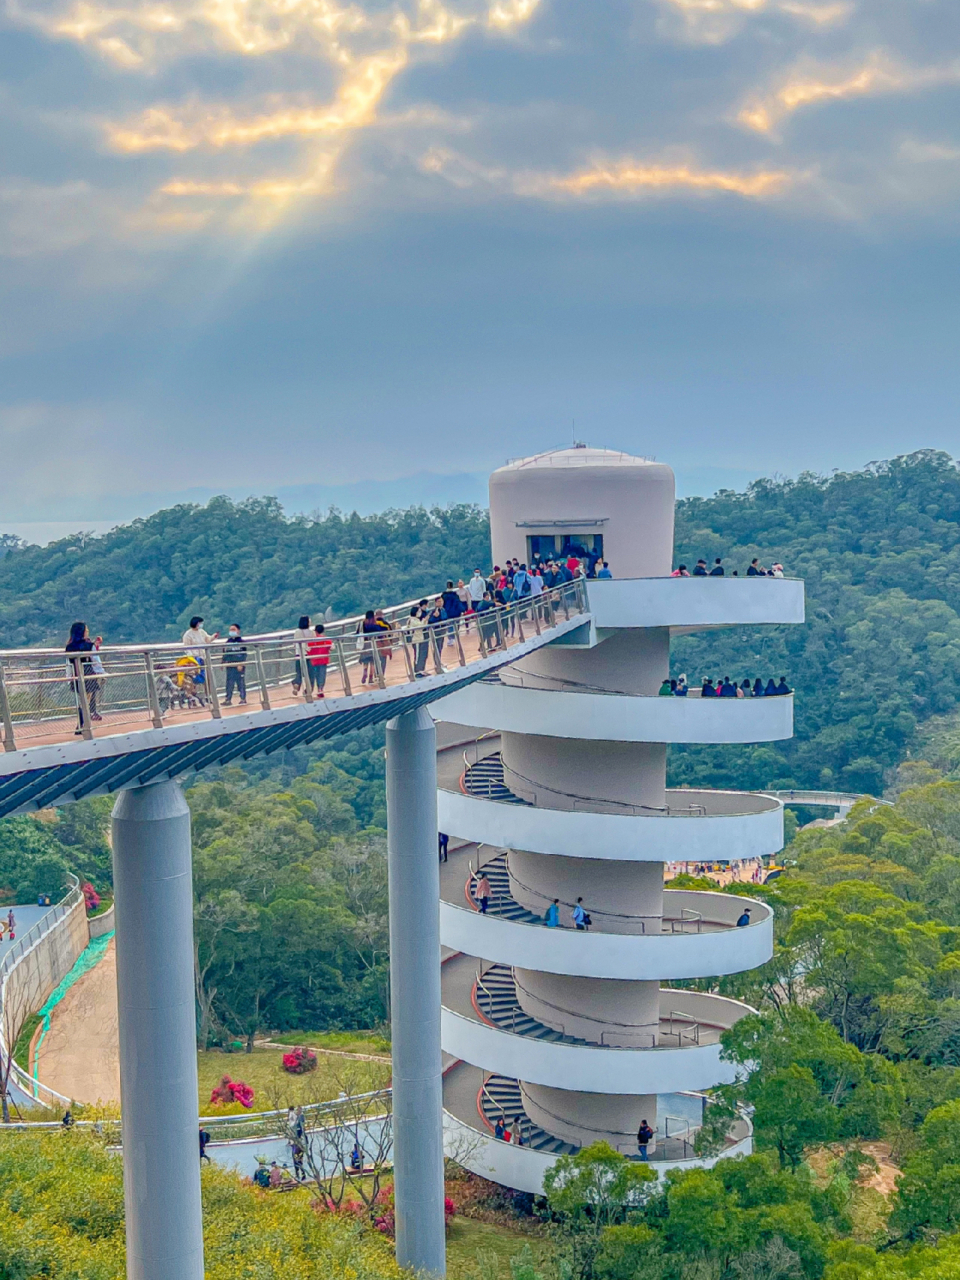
[879, 74]
[625, 178]
[167, 129]
[628, 176]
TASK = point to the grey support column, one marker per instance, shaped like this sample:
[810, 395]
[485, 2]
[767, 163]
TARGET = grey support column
[158, 1044]
[415, 991]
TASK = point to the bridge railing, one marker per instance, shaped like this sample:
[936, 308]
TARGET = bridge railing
[119, 687]
[14, 1013]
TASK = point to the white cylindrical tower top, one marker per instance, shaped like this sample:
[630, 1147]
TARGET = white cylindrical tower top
[591, 502]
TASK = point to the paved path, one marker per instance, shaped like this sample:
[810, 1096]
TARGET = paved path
[25, 918]
[80, 1055]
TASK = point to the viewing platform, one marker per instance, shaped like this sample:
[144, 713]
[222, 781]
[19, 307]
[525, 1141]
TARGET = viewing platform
[696, 934]
[518, 702]
[474, 1100]
[692, 826]
[483, 1022]
[694, 604]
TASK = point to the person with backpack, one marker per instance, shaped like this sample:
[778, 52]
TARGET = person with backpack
[552, 917]
[581, 920]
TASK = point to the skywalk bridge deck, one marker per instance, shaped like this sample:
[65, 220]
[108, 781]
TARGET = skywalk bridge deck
[156, 720]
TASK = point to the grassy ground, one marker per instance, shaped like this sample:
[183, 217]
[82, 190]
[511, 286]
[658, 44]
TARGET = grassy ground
[273, 1087]
[344, 1041]
[467, 1237]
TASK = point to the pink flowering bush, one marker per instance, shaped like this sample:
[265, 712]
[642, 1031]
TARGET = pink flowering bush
[90, 896]
[228, 1091]
[382, 1212]
[298, 1061]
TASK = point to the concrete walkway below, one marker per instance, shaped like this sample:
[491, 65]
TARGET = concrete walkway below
[80, 1055]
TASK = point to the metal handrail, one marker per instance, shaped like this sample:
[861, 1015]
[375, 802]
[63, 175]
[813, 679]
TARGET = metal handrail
[34, 935]
[641, 809]
[686, 913]
[148, 682]
[562, 684]
[262, 1120]
[627, 1027]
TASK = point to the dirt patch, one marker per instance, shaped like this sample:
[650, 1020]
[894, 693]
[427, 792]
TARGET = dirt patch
[80, 1055]
[885, 1178]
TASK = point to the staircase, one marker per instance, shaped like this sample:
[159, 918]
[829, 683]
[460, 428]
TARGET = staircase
[485, 780]
[500, 1100]
[501, 902]
[495, 995]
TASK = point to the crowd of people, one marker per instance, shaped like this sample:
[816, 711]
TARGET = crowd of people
[754, 570]
[726, 688]
[477, 600]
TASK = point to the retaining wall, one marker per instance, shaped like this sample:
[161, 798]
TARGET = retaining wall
[99, 925]
[42, 968]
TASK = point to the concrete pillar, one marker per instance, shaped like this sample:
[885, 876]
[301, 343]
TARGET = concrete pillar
[414, 877]
[158, 1042]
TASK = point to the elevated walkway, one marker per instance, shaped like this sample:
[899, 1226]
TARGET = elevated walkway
[149, 714]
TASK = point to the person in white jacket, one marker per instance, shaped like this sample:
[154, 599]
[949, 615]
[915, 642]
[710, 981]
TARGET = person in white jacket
[476, 586]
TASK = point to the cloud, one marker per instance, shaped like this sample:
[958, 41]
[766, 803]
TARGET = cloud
[623, 178]
[801, 87]
[716, 21]
[163, 128]
[631, 177]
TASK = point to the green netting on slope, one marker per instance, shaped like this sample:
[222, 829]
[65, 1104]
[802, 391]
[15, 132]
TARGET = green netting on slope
[92, 953]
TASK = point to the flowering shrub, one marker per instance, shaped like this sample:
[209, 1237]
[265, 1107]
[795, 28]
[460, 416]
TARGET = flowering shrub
[299, 1061]
[383, 1214]
[90, 896]
[228, 1091]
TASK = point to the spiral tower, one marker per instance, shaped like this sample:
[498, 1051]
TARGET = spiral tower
[552, 783]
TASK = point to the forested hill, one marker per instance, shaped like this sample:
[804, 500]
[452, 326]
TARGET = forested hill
[232, 562]
[879, 550]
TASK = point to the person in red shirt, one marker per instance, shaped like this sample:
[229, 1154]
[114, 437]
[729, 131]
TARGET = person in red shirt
[318, 659]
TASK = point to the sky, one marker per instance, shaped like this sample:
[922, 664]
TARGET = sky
[314, 247]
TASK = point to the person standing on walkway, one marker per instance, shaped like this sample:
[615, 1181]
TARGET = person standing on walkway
[235, 661]
[580, 917]
[204, 1139]
[81, 669]
[451, 607]
[644, 1138]
[443, 841]
[366, 632]
[417, 636]
[476, 587]
[553, 914]
[483, 892]
[318, 659]
[300, 638]
[194, 640]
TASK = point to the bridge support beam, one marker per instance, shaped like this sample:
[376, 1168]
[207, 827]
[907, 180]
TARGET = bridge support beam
[414, 878]
[158, 1043]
